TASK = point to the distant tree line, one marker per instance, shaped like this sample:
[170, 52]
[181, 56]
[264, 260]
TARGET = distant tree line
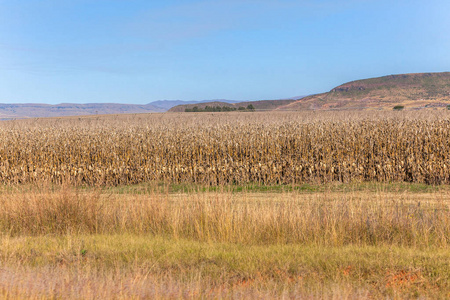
[399, 107]
[249, 107]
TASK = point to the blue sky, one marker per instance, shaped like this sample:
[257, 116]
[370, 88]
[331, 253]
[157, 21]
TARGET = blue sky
[136, 51]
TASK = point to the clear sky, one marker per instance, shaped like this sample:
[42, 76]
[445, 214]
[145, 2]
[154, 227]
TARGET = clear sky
[138, 51]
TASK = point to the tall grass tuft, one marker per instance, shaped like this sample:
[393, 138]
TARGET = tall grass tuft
[321, 218]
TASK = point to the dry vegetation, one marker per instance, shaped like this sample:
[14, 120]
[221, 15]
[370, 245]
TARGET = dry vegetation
[70, 243]
[329, 219]
[283, 148]
[71, 226]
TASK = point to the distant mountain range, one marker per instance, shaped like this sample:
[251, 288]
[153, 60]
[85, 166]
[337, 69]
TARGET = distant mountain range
[13, 111]
[412, 91]
[32, 110]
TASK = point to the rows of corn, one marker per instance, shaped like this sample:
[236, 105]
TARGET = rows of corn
[266, 148]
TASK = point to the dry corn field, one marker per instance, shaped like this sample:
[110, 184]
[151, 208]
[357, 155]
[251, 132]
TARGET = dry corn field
[233, 148]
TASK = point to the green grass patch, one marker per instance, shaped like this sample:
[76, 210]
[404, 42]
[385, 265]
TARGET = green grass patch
[382, 270]
[175, 188]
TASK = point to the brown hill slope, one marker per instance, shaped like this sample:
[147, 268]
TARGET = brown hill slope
[413, 91]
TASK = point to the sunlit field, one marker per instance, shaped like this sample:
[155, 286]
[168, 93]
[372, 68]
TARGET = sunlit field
[226, 205]
[229, 149]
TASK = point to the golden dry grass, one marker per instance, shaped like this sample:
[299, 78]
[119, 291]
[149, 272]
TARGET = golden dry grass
[67, 243]
[332, 219]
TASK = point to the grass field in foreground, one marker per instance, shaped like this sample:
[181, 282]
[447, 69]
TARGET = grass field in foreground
[126, 266]
[366, 243]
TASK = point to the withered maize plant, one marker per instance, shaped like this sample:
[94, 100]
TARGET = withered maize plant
[232, 148]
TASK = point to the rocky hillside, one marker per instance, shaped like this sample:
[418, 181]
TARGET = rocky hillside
[413, 91]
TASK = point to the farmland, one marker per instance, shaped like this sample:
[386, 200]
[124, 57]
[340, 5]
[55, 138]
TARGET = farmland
[226, 205]
[283, 148]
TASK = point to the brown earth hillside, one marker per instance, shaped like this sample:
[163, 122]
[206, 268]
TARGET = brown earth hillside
[413, 91]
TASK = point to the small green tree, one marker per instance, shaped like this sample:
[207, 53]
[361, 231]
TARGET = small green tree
[399, 107]
[241, 108]
[195, 109]
[250, 107]
[448, 107]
